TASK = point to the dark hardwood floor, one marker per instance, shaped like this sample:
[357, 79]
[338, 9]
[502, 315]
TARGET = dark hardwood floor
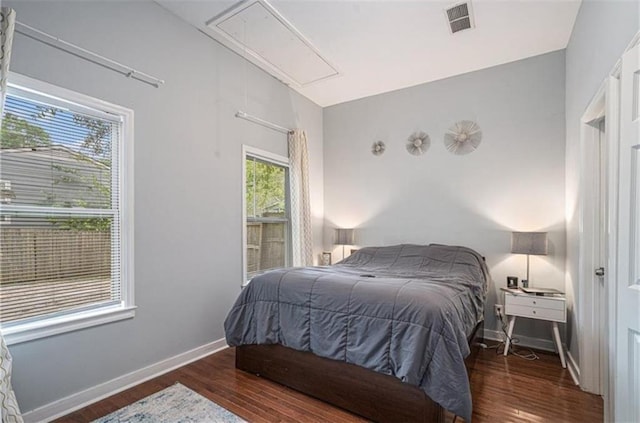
[505, 389]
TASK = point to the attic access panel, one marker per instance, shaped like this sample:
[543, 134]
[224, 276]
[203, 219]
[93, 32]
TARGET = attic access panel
[256, 30]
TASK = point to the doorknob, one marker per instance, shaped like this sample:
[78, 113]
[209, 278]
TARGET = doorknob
[600, 271]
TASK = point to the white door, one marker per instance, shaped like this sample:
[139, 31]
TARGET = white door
[627, 376]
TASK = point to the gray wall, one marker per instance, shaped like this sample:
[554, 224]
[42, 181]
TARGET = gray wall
[187, 181]
[514, 181]
[602, 31]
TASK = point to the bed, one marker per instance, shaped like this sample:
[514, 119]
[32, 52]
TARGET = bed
[384, 333]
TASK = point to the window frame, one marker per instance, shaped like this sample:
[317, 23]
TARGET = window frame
[276, 159]
[35, 328]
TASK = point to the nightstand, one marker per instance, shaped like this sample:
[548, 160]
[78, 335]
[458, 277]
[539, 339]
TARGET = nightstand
[550, 308]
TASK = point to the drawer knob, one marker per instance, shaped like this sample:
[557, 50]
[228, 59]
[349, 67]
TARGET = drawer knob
[534, 302]
[534, 312]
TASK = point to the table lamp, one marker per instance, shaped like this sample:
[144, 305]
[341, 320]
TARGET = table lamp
[529, 243]
[344, 237]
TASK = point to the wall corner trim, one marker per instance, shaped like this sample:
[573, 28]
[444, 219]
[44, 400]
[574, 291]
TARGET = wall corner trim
[61, 407]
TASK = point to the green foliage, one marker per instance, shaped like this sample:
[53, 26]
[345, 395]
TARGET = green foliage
[87, 224]
[265, 189]
[99, 191]
[97, 139]
[18, 133]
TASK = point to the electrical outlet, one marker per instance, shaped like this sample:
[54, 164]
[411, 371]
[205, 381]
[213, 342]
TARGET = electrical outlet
[498, 310]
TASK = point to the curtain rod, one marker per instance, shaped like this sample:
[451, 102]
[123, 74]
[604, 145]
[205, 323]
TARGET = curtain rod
[242, 115]
[82, 53]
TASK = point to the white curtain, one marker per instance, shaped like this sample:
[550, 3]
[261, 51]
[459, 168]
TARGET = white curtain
[300, 207]
[7, 24]
[9, 411]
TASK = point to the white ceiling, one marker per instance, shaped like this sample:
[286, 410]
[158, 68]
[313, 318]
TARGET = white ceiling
[380, 46]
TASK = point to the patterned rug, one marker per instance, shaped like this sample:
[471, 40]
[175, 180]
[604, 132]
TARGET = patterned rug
[175, 404]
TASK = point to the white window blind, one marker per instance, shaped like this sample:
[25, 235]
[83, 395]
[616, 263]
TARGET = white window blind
[61, 249]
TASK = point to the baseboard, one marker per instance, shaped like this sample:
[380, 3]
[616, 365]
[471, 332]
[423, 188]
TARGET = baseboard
[573, 368]
[81, 399]
[524, 341]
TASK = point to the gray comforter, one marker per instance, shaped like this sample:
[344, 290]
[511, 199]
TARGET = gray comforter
[403, 310]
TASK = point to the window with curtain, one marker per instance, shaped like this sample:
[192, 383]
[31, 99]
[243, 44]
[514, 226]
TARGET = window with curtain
[64, 207]
[267, 226]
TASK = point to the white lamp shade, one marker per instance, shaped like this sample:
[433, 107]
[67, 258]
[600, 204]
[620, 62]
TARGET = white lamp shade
[533, 243]
[344, 237]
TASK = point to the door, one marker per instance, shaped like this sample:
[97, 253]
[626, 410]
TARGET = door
[627, 351]
[593, 240]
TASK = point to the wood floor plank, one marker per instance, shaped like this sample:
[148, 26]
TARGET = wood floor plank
[505, 389]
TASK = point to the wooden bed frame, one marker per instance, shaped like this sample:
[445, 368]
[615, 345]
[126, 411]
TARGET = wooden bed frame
[375, 396]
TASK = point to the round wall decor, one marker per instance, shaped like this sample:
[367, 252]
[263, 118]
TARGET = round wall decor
[463, 137]
[418, 143]
[378, 148]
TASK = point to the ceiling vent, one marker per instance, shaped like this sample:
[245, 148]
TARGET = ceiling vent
[460, 17]
[258, 32]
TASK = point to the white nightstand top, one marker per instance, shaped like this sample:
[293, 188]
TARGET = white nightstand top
[521, 292]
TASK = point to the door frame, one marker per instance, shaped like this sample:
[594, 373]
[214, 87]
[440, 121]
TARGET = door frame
[610, 90]
[612, 231]
[611, 276]
[591, 310]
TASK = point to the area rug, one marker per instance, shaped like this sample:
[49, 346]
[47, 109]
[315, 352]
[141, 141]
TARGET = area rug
[175, 404]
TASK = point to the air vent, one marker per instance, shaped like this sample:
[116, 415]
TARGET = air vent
[459, 17]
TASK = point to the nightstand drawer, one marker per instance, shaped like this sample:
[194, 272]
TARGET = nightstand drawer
[535, 312]
[535, 301]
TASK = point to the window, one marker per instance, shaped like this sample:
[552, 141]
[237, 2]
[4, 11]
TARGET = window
[267, 227]
[65, 242]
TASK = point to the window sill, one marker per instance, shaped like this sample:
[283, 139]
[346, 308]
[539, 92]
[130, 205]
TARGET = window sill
[68, 323]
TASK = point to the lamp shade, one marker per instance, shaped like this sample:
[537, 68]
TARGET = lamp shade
[344, 237]
[534, 243]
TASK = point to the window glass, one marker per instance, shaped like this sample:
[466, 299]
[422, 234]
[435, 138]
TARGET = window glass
[267, 211]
